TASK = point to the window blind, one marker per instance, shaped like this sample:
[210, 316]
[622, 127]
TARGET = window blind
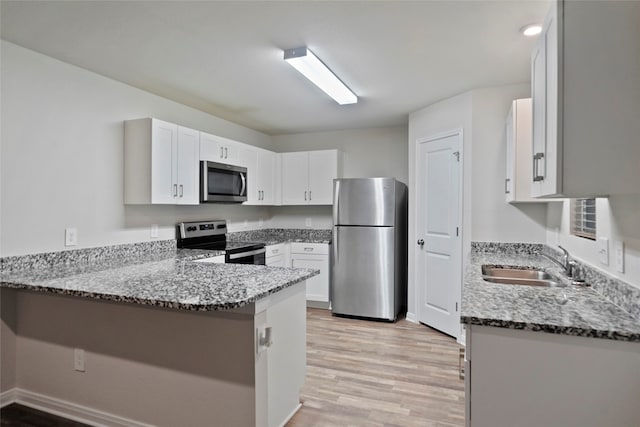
[583, 218]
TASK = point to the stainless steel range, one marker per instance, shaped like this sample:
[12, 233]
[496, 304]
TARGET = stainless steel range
[212, 235]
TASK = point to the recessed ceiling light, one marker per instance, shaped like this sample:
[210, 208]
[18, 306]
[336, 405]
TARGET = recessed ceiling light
[531, 30]
[303, 60]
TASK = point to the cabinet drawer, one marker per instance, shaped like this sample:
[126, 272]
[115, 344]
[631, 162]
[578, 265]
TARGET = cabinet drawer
[273, 250]
[310, 248]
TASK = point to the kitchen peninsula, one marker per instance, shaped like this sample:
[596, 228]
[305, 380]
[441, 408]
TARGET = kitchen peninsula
[143, 335]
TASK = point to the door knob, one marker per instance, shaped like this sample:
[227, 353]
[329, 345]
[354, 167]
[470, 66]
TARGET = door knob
[421, 242]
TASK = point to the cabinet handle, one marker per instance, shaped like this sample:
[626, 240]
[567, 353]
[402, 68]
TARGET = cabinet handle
[461, 364]
[536, 176]
[309, 195]
[181, 190]
[275, 251]
[506, 186]
[305, 196]
[222, 152]
[226, 152]
[308, 249]
[175, 190]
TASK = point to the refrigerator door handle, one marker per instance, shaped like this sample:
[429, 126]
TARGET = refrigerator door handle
[334, 243]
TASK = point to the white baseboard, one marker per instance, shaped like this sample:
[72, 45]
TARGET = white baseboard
[68, 410]
[411, 317]
[7, 397]
[291, 415]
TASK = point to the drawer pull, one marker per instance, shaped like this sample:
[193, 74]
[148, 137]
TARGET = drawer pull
[461, 372]
[308, 249]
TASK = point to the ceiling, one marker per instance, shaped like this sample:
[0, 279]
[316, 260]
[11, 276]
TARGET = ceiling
[225, 57]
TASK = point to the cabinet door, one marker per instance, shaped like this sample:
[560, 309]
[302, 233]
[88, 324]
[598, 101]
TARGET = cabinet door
[545, 63]
[295, 179]
[323, 169]
[164, 187]
[209, 147]
[188, 161]
[317, 286]
[276, 261]
[265, 176]
[509, 180]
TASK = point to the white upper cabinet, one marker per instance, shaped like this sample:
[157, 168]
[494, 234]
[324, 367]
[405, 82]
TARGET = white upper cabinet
[160, 163]
[307, 177]
[218, 149]
[262, 176]
[517, 184]
[586, 100]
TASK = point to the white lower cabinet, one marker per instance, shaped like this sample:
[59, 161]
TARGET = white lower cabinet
[531, 379]
[316, 256]
[276, 255]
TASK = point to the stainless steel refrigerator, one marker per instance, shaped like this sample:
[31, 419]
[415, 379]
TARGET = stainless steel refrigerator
[369, 255]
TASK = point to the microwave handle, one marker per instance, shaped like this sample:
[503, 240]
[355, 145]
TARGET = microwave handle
[244, 184]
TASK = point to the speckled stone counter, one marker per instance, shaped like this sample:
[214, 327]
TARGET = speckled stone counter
[163, 278]
[570, 310]
[273, 236]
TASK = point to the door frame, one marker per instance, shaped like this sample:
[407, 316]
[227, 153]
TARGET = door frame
[459, 246]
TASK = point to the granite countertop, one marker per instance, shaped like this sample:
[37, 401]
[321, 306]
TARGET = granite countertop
[170, 280]
[274, 236]
[570, 310]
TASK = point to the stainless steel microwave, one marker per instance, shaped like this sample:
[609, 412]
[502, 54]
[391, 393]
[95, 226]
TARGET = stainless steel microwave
[221, 183]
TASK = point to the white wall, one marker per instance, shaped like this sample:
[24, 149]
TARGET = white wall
[62, 157]
[481, 115]
[618, 219]
[370, 152]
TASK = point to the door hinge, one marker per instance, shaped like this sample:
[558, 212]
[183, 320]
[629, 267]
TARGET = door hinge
[457, 154]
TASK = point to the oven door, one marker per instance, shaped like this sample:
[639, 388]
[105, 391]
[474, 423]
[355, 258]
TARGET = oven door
[222, 183]
[256, 256]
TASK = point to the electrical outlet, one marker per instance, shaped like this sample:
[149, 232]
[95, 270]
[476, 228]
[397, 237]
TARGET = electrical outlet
[307, 222]
[70, 236]
[260, 222]
[78, 359]
[603, 250]
[245, 224]
[155, 233]
[619, 256]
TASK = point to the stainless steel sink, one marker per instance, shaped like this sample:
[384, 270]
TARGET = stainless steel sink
[513, 275]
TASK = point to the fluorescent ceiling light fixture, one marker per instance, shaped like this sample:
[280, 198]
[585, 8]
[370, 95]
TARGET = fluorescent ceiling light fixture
[303, 60]
[531, 30]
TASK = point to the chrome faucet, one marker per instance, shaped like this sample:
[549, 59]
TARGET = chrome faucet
[567, 264]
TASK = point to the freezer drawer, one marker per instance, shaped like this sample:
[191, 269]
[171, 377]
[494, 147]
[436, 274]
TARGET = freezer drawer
[362, 274]
[364, 201]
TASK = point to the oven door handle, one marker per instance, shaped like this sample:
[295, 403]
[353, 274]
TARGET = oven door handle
[244, 184]
[246, 254]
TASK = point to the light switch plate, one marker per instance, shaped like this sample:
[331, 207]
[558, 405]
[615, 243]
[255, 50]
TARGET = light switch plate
[619, 256]
[155, 233]
[603, 250]
[307, 222]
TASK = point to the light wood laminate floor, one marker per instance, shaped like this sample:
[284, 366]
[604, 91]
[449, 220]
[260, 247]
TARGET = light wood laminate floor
[367, 373]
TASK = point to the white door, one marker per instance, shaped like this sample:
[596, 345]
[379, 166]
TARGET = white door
[439, 254]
